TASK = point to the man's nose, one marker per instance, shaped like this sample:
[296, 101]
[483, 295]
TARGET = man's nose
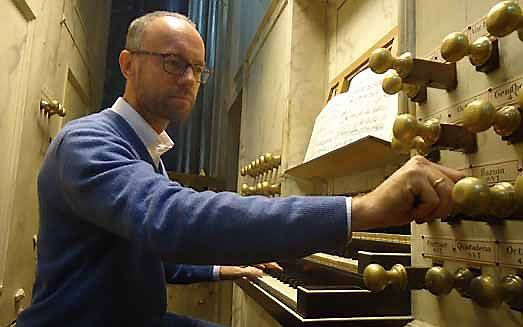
[189, 75]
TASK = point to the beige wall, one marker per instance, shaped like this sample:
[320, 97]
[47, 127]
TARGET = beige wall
[55, 50]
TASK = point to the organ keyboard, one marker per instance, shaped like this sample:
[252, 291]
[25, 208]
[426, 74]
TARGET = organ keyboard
[327, 289]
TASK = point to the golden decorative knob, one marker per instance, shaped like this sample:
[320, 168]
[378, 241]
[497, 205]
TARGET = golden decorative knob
[268, 160]
[254, 169]
[392, 83]
[274, 189]
[430, 131]
[420, 145]
[376, 278]
[405, 128]
[245, 189]
[403, 64]
[276, 161]
[455, 46]
[478, 116]
[439, 281]
[264, 162]
[53, 107]
[265, 188]
[249, 170]
[462, 279]
[400, 147]
[471, 196]
[502, 200]
[504, 18]
[382, 60]
[480, 51]
[485, 291]
[242, 171]
[507, 120]
[511, 287]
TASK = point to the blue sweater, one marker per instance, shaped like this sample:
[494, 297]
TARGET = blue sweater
[108, 220]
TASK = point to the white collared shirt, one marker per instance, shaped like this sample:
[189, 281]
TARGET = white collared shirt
[156, 144]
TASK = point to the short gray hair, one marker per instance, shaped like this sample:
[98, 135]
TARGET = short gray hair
[137, 27]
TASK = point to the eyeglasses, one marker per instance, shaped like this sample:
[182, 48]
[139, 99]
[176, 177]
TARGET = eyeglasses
[175, 65]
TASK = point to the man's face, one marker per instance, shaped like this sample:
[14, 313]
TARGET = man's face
[162, 94]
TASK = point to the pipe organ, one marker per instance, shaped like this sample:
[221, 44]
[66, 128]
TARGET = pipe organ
[462, 77]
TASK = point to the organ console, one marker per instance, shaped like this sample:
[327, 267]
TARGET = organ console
[474, 257]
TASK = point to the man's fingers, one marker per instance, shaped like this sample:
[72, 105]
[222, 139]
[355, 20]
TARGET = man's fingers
[428, 200]
[274, 266]
[454, 175]
[443, 187]
[252, 272]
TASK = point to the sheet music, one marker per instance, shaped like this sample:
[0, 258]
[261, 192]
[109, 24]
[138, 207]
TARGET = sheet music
[361, 111]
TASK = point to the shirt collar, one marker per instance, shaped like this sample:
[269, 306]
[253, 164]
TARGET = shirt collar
[156, 144]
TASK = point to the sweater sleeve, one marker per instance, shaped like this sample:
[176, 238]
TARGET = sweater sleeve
[187, 274]
[105, 183]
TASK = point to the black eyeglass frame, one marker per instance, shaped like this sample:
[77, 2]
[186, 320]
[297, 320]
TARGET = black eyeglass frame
[203, 71]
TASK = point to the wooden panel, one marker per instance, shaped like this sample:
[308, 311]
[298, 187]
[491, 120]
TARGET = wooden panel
[38, 66]
[17, 40]
[208, 301]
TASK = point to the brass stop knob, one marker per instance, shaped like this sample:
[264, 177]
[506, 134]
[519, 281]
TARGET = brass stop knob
[400, 147]
[511, 287]
[502, 200]
[405, 128]
[242, 171]
[248, 170]
[420, 145]
[430, 131]
[455, 46]
[382, 60]
[471, 196]
[264, 162]
[275, 161]
[392, 84]
[480, 51]
[478, 116]
[485, 291]
[439, 281]
[462, 278]
[507, 120]
[245, 189]
[504, 18]
[376, 278]
[274, 189]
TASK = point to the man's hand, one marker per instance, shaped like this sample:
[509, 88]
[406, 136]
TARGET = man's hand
[249, 272]
[419, 190]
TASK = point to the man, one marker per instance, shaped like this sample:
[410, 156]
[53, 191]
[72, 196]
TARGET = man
[109, 217]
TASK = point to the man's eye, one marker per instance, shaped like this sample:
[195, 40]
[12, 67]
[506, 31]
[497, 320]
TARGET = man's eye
[174, 63]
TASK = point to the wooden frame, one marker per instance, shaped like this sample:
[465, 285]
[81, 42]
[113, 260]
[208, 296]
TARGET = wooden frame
[341, 83]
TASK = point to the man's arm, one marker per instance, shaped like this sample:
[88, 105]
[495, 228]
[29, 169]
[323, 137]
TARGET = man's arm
[104, 183]
[187, 274]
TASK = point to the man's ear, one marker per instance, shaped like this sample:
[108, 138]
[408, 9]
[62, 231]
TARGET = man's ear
[126, 63]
